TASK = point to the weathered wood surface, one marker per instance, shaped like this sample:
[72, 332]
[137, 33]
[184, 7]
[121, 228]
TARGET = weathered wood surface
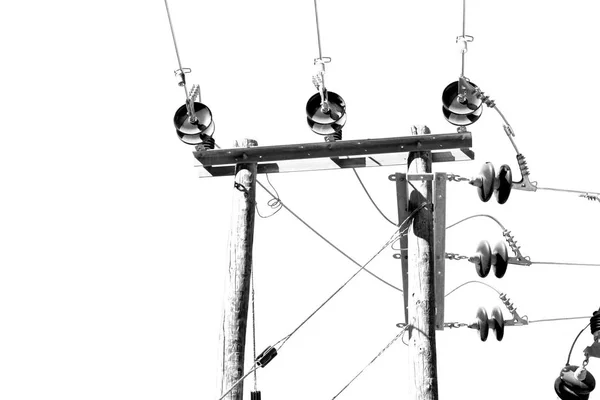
[423, 383]
[340, 148]
[232, 338]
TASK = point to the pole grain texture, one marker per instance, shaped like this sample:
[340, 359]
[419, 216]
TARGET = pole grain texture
[232, 338]
[421, 295]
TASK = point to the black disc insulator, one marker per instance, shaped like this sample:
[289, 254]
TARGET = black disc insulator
[500, 254]
[483, 325]
[461, 105]
[461, 119]
[574, 385]
[327, 129]
[487, 175]
[193, 132]
[565, 393]
[595, 322]
[483, 262]
[505, 180]
[337, 108]
[498, 323]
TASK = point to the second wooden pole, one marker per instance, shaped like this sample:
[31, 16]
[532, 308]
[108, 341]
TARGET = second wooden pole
[421, 295]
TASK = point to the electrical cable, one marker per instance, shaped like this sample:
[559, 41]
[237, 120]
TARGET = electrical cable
[318, 30]
[564, 263]
[372, 361]
[477, 215]
[574, 341]
[555, 319]
[254, 368]
[272, 203]
[466, 283]
[279, 344]
[593, 194]
[464, 24]
[372, 201]
[390, 241]
[176, 48]
[329, 242]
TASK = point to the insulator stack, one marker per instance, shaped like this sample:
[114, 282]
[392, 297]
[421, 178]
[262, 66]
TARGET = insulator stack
[326, 117]
[483, 323]
[460, 104]
[489, 182]
[194, 131]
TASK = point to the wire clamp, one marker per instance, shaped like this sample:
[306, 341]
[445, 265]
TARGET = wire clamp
[463, 40]
[180, 74]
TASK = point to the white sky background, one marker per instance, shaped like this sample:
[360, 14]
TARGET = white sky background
[113, 252]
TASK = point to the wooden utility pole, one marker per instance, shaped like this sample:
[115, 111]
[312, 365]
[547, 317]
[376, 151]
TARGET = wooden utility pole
[232, 338]
[421, 294]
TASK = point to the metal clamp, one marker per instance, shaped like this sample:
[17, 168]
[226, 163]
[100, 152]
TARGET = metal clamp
[463, 40]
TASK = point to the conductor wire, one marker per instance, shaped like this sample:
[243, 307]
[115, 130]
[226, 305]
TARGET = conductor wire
[176, 48]
[464, 24]
[372, 361]
[318, 30]
[329, 242]
[370, 198]
[477, 215]
[575, 341]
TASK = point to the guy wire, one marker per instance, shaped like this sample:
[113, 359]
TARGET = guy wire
[253, 325]
[329, 242]
[372, 361]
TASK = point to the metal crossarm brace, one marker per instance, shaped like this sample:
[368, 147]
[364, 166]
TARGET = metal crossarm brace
[439, 237]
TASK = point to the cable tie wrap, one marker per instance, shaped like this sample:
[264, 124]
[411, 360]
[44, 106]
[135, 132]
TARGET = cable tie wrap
[266, 356]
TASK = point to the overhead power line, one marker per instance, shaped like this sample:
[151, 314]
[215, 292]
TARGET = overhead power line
[371, 198]
[327, 240]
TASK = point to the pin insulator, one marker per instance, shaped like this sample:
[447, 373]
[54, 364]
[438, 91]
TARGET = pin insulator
[266, 356]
